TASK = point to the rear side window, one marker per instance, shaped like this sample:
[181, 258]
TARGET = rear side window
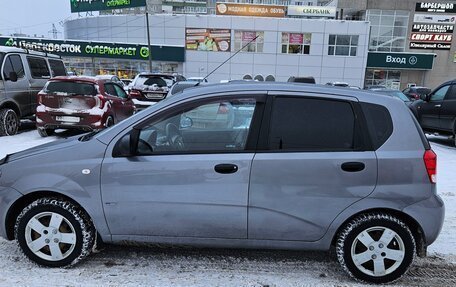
[13, 63]
[311, 125]
[379, 123]
[57, 68]
[38, 68]
[70, 88]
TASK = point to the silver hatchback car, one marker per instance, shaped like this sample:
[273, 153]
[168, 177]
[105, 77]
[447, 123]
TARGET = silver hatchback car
[244, 165]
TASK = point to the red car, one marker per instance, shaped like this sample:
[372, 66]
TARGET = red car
[83, 103]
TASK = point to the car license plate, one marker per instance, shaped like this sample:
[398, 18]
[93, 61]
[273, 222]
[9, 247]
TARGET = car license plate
[67, 119]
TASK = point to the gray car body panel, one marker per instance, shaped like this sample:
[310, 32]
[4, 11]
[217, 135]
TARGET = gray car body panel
[399, 182]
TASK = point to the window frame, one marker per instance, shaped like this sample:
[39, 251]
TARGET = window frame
[303, 45]
[361, 139]
[252, 137]
[7, 57]
[31, 70]
[349, 45]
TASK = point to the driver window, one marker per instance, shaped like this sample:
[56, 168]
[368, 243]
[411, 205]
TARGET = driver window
[439, 94]
[220, 126]
[120, 92]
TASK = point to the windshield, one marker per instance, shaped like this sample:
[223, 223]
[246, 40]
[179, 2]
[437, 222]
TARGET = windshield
[161, 81]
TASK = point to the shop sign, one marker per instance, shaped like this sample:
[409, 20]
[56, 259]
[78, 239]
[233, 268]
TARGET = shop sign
[400, 60]
[434, 18]
[312, 11]
[237, 9]
[430, 46]
[98, 5]
[439, 7]
[96, 49]
[213, 40]
[428, 37]
[432, 28]
[296, 39]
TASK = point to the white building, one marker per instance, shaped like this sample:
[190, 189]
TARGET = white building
[328, 50]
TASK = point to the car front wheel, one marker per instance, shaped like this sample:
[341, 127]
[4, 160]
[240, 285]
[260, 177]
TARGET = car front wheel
[54, 232]
[376, 248]
[9, 122]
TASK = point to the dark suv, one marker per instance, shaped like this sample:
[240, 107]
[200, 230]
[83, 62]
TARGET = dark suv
[437, 111]
[149, 88]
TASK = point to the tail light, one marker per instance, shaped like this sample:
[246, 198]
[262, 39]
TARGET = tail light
[99, 101]
[415, 96]
[135, 94]
[39, 98]
[430, 161]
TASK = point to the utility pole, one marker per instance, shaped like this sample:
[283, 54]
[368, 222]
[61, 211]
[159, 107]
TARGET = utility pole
[148, 40]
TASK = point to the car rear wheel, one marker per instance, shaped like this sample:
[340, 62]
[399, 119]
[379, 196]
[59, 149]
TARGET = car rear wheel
[9, 122]
[54, 232]
[109, 122]
[45, 132]
[376, 248]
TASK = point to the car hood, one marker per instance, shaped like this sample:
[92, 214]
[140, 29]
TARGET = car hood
[48, 147]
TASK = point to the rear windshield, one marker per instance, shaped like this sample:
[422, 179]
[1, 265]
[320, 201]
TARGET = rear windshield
[423, 91]
[70, 88]
[160, 81]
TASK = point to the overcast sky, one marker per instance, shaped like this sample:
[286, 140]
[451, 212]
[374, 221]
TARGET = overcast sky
[33, 16]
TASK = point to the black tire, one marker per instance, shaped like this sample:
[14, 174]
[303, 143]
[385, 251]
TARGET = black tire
[72, 218]
[348, 243]
[9, 122]
[45, 132]
[109, 122]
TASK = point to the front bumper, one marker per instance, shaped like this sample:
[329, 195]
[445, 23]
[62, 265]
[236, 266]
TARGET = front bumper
[7, 197]
[429, 214]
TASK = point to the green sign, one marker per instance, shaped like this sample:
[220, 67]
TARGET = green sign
[400, 60]
[97, 49]
[97, 5]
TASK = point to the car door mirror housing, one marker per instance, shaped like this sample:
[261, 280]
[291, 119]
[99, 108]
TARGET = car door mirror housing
[12, 76]
[426, 97]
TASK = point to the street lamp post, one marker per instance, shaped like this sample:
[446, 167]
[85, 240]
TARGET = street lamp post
[148, 39]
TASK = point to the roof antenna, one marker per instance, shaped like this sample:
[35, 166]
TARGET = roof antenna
[227, 60]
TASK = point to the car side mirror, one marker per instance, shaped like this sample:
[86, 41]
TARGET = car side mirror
[12, 76]
[426, 97]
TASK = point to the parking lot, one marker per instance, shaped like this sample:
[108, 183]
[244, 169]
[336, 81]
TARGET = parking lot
[170, 266]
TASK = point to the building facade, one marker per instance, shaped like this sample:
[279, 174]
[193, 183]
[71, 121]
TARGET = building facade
[328, 50]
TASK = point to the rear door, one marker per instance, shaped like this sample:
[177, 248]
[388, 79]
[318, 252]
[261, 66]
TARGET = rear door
[429, 112]
[448, 110]
[40, 74]
[313, 166]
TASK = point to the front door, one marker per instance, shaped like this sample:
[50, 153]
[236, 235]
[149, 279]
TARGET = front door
[448, 110]
[312, 168]
[190, 176]
[18, 91]
[429, 112]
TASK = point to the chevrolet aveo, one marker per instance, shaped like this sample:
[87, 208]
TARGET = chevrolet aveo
[253, 165]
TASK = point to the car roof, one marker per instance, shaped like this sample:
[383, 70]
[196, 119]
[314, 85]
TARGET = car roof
[26, 51]
[88, 79]
[272, 87]
[105, 77]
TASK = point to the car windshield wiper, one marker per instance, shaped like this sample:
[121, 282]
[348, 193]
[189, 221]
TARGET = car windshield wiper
[88, 136]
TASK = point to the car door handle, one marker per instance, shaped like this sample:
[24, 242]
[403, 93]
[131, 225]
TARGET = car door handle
[437, 106]
[353, 166]
[226, 168]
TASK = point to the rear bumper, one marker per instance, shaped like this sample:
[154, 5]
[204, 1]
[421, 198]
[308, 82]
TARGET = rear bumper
[86, 122]
[141, 105]
[430, 214]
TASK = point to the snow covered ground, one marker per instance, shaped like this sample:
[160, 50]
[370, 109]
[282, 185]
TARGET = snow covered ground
[154, 266]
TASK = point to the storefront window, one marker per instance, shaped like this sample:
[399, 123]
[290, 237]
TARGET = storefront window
[124, 69]
[343, 45]
[388, 78]
[388, 30]
[296, 43]
[242, 38]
